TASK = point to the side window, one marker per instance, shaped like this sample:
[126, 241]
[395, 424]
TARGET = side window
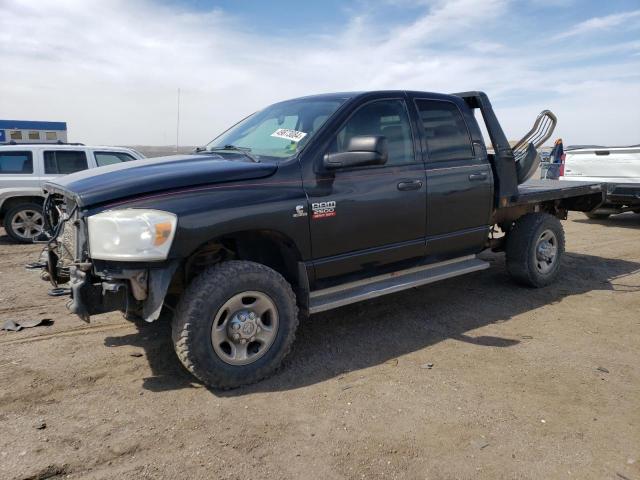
[16, 162]
[446, 132]
[388, 118]
[63, 162]
[109, 158]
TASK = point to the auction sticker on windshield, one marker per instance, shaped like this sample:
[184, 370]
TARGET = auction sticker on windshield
[287, 134]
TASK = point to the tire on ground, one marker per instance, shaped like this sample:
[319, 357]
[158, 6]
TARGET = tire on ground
[597, 216]
[521, 249]
[12, 212]
[205, 296]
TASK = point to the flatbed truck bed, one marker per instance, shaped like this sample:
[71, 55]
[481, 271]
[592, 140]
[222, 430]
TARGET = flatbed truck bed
[536, 191]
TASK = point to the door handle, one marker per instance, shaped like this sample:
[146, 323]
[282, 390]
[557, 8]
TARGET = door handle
[478, 176]
[410, 185]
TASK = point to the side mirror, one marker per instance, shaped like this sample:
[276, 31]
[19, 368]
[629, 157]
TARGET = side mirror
[361, 151]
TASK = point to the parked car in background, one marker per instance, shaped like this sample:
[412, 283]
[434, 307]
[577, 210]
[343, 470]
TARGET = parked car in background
[619, 167]
[25, 167]
[545, 155]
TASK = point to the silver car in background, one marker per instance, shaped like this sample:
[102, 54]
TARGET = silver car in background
[25, 167]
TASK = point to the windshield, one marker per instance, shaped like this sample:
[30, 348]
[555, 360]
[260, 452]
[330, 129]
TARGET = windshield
[278, 131]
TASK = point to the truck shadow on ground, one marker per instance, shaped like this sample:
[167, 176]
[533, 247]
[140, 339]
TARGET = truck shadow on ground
[371, 333]
[623, 220]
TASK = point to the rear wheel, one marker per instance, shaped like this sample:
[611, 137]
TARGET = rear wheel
[597, 216]
[534, 249]
[235, 323]
[24, 222]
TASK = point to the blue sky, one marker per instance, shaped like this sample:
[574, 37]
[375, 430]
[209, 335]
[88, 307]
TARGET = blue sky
[112, 68]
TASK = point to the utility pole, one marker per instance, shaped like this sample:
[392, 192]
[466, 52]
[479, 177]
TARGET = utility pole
[178, 124]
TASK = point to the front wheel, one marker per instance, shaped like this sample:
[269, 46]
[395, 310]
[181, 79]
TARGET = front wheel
[535, 246]
[235, 323]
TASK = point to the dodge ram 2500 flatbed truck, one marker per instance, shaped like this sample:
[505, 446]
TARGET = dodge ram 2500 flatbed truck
[305, 206]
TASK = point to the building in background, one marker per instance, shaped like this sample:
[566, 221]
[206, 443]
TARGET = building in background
[27, 131]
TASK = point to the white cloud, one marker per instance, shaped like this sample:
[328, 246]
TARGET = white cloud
[111, 69]
[602, 23]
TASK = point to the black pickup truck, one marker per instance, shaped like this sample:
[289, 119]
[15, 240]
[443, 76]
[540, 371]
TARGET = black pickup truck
[305, 206]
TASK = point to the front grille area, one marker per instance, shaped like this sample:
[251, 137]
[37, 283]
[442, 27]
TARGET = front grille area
[67, 243]
[62, 215]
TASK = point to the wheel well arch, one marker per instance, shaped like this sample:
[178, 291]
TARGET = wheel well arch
[11, 202]
[267, 247]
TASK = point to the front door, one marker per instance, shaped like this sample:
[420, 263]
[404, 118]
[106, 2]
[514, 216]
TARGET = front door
[459, 182]
[362, 218]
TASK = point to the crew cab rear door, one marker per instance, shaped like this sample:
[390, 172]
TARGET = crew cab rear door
[459, 177]
[365, 217]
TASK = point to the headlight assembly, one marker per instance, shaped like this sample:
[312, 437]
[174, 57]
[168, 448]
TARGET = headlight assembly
[131, 234]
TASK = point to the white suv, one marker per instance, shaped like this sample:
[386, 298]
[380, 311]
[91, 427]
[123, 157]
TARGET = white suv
[23, 170]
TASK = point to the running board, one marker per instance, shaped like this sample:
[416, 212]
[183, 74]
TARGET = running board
[334, 297]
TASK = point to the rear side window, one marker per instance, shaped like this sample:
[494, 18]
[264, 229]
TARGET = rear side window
[109, 158]
[63, 162]
[446, 132]
[16, 162]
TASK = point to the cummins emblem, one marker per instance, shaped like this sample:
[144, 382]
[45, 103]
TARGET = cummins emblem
[300, 211]
[323, 209]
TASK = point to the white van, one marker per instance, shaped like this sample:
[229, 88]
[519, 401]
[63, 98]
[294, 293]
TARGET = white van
[23, 170]
[618, 167]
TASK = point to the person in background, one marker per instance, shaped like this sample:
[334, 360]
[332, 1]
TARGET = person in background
[557, 152]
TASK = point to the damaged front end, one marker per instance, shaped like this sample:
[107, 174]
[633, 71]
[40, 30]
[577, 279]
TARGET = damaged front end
[137, 289]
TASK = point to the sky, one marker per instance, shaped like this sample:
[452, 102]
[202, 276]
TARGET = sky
[112, 68]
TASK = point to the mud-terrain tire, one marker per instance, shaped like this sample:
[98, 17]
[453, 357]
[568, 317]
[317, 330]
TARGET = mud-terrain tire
[24, 222]
[218, 305]
[535, 246]
[597, 216]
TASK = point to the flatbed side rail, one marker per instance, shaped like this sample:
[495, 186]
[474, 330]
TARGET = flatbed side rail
[577, 196]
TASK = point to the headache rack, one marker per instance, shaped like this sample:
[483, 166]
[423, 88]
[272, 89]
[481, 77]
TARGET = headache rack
[512, 166]
[541, 131]
[525, 151]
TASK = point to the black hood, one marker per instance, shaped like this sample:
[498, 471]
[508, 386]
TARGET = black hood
[138, 177]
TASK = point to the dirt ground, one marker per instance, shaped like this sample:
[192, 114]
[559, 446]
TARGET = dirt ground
[524, 384]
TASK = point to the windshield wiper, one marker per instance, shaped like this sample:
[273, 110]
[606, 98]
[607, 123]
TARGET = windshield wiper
[245, 150]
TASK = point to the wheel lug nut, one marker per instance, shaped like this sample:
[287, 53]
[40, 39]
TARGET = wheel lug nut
[236, 336]
[236, 326]
[243, 341]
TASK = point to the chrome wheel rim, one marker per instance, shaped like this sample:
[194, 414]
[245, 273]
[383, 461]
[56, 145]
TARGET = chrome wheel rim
[546, 251]
[244, 328]
[27, 224]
